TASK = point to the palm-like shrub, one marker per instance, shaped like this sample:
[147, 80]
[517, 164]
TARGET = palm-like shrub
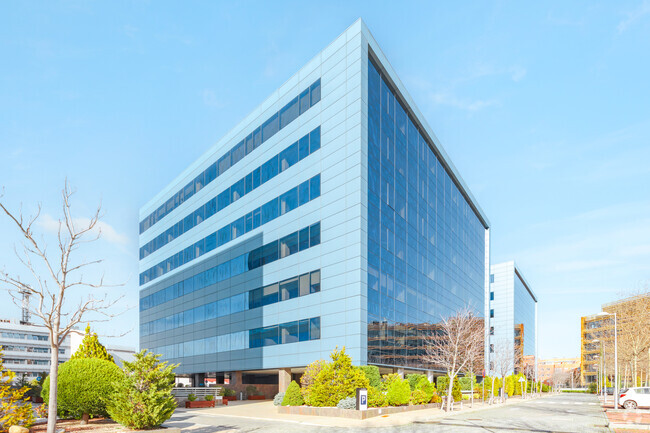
[142, 398]
[84, 386]
[293, 397]
[337, 380]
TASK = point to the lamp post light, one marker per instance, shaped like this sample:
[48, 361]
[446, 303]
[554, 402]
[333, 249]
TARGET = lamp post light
[616, 396]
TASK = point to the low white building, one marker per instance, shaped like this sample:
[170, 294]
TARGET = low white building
[26, 348]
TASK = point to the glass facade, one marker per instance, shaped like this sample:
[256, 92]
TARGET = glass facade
[524, 315]
[426, 245]
[299, 105]
[269, 211]
[290, 156]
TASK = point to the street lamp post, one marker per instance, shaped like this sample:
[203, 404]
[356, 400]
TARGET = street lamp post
[616, 396]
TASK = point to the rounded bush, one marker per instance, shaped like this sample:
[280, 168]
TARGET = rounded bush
[83, 386]
[293, 397]
[376, 398]
[425, 386]
[277, 400]
[398, 391]
[372, 373]
[347, 403]
[418, 397]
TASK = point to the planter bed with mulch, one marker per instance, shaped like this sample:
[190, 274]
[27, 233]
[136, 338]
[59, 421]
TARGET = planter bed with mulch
[95, 425]
[353, 414]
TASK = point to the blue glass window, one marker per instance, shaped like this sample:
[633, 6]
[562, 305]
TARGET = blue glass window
[314, 187]
[270, 127]
[289, 201]
[289, 157]
[238, 190]
[223, 200]
[314, 328]
[270, 169]
[314, 140]
[289, 113]
[223, 236]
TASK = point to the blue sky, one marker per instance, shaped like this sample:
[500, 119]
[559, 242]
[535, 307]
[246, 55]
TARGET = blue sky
[544, 109]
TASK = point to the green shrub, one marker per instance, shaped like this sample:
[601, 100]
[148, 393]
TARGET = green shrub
[442, 384]
[143, 398]
[510, 385]
[425, 386]
[227, 392]
[418, 397]
[436, 398]
[466, 382]
[337, 380]
[465, 397]
[13, 409]
[376, 398]
[372, 373]
[191, 397]
[413, 379]
[398, 391]
[308, 377]
[252, 390]
[593, 388]
[293, 397]
[209, 397]
[84, 385]
[456, 392]
[91, 348]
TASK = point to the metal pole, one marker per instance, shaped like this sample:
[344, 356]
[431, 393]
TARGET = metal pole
[604, 373]
[615, 364]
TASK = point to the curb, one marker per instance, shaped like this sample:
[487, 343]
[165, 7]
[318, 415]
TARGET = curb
[619, 425]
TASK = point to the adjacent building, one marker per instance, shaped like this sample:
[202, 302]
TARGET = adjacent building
[26, 348]
[564, 369]
[597, 341]
[329, 216]
[512, 312]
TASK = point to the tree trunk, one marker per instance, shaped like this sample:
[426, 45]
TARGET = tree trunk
[54, 379]
[492, 390]
[84, 418]
[449, 396]
[636, 371]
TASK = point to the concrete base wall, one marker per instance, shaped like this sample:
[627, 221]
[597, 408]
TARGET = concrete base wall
[352, 414]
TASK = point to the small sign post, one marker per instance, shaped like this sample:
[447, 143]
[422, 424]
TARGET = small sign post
[521, 381]
[362, 399]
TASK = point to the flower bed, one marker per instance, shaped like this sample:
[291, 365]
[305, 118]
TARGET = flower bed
[352, 414]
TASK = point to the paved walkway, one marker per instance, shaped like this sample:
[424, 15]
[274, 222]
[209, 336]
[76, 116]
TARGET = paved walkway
[242, 416]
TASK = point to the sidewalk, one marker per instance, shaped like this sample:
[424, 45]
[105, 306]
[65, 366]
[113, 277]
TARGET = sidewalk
[636, 420]
[264, 410]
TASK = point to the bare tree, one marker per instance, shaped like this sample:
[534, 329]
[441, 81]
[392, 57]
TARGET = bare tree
[54, 277]
[453, 344]
[505, 356]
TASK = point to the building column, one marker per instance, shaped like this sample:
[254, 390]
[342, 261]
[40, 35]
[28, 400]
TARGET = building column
[284, 379]
[400, 371]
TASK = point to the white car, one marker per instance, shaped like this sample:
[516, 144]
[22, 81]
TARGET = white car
[631, 398]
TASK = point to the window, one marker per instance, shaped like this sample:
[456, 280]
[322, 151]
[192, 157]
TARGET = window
[314, 234]
[269, 336]
[289, 113]
[238, 190]
[223, 236]
[270, 169]
[223, 200]
[303, 147]
[238, 152]
[223, 164]
[314, 328]
[304, 284]
[289, 201]
[304, 101]
[303, 193]
[289, 157]
[270, 294]
[314, 187]
[491, 348]
[303, 330]
[314, 140]
[238, 227]
[270, 211]
[315, 282]
[491, 330]
[315, 92]
[289, 245]
[491, 314]
[304, 239]
[270, 253]
[270, 127]
[491, 278]
[289, 332]
[491, 296]
[289, 289]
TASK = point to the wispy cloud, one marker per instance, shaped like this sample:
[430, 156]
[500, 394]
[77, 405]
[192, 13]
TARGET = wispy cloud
[108, 232]
[210, 99]
[634, 16]
[463, 104]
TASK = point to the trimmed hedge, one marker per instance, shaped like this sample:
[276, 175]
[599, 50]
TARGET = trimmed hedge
[83, 386]
[372, 373]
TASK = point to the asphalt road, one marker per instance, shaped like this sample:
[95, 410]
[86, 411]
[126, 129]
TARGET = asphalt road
[565, 413]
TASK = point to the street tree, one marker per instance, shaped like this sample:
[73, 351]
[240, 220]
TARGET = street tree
[504, 357]
[56, 278]
[453, 344]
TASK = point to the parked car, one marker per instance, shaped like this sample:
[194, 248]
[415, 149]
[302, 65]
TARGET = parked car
[631, 398]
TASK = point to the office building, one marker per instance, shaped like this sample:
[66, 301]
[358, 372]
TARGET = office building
[26, 348]
[597, 341]
[565, 369]
[512, 316]
[329, 216]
